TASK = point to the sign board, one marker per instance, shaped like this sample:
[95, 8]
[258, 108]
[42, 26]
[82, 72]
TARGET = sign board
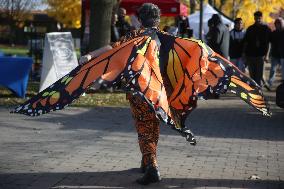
[59, 58]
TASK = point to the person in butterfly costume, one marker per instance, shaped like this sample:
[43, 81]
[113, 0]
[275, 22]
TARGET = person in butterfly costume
[164, 77]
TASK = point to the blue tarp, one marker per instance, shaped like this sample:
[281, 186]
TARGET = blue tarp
[14, 73]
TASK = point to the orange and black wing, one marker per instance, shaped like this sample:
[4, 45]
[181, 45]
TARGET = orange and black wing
[201, 71]
[107, 69]
[244, 87]
[146, 80]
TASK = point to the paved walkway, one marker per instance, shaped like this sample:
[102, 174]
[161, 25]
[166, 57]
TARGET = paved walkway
[97, 148]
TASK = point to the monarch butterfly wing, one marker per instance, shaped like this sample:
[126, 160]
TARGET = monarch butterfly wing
[207, 72]
[145, 80]
[106, 70]
[243, 86]
[183, 63]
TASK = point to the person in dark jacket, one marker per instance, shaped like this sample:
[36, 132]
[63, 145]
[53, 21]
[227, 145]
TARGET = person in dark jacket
[219, 36]
[257, 47]
[183, 26]
[122, 25]
[208, 34]
[236, 44]
[277, 49]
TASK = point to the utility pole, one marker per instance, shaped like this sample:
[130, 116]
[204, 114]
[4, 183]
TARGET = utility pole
[83, 25]
[201, 20]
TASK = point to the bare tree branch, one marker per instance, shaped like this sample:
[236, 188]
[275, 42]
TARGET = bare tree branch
[15, 12]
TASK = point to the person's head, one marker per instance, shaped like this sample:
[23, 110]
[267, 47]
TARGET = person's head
[238, 24]
[166, 28]
[210, 23]
[279, 23]
[149, 15]
[258, 17]
[121, 13]
[216, 19]
[114, 19]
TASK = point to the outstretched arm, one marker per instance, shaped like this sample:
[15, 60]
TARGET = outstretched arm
[86, 58]
[131, 35]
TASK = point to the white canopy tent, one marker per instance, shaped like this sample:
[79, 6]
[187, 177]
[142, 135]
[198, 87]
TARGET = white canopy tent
[208, 11]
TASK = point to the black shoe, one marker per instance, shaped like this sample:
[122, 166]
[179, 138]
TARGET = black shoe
[190, 138]
[151, 175]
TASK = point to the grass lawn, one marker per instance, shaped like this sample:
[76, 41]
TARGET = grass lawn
[17, 50]
[21, 50]
[101, 98]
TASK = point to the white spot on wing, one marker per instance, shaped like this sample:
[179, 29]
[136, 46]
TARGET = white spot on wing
[223, 68]
[19, 108]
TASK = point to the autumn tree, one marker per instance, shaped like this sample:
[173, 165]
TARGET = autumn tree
[15, 13]
[67, 12]
[246, 8]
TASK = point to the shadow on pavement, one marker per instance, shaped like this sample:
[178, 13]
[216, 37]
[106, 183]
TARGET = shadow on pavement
[231, 122]
[120, 179]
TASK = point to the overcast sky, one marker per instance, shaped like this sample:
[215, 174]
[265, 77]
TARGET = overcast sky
[41, 6]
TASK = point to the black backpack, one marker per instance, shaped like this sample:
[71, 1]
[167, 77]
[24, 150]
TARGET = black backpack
[280, 95]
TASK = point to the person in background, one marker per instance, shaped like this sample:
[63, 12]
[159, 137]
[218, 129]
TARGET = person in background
[277, 50]
[122, 25]
[171, 30]
[166, 28]
[219, 36]
[256, 47]
[208, 34]
[183, 26]
[114, 31]
[237, 44]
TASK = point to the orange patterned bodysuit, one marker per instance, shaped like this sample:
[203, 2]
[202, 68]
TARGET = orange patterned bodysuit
[146, 123]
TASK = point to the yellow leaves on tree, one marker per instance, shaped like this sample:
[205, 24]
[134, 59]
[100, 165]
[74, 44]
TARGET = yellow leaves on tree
[246, 8]
[67, 12]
